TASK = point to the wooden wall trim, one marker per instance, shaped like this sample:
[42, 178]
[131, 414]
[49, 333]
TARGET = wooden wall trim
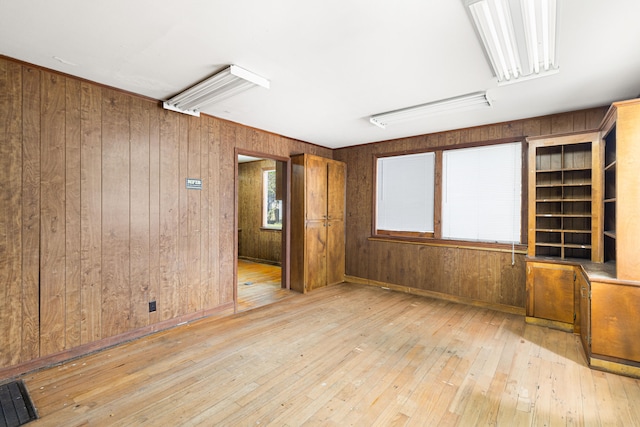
[437, 295]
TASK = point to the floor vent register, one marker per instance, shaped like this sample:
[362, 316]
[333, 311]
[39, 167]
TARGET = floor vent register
[16, 408]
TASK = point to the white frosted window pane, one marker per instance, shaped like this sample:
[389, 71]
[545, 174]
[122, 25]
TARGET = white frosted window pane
[405, 193]
[481, 191]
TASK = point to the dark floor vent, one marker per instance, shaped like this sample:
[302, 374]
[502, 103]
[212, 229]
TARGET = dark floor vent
[16, 408]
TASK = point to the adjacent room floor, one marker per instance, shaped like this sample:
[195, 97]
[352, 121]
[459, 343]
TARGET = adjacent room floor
[344, 355]
[259, 284]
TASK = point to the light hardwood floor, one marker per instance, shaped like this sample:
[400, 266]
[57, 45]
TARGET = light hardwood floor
[259, 284]
[344, 355]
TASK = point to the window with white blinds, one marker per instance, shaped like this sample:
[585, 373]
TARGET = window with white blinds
[405, 193]
[482, 193]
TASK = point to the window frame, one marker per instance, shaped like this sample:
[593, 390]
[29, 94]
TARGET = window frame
[264, 199]
[436, 238]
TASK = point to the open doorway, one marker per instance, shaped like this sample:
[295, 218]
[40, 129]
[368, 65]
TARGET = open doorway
[262, 230]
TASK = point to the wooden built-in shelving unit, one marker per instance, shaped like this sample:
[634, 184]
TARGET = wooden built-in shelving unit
[583, 272]
[562, 187]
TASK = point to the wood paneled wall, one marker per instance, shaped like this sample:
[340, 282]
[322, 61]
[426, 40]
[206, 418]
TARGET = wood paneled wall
[254, 241]
[95, 219]
[481, 275]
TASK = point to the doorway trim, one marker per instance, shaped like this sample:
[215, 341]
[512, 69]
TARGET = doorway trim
[286, 228]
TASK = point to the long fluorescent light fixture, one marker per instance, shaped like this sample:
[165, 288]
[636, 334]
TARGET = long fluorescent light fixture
[518, 36]
[449, 105]
[228, 82]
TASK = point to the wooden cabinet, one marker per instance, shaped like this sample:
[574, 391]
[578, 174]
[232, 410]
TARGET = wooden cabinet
[317, 222]
[551, 294]
[621, 135]
[565, 183]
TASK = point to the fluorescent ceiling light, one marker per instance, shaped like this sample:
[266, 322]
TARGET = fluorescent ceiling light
[518, 36]
[456, 104]
[228, 82]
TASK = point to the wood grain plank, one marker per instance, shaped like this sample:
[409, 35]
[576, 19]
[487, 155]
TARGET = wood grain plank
[52, 224]
[168, 301]
[205, 213]
[140, 213]
[11, 226]
[194, 208]
[73, 297]
[226, 191]
[182, 285]
[91, 213]
[30, 214]
[116, 210]
[213, 292]
[154, 210]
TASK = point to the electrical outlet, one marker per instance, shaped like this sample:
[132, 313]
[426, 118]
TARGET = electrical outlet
[152, 306]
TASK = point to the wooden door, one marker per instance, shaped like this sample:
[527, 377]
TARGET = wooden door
[315, 188]
[315, 255]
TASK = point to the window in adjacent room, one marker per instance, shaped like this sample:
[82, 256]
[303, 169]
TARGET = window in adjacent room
[271, 207]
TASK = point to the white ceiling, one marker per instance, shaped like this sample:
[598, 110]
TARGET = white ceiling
[331, 63]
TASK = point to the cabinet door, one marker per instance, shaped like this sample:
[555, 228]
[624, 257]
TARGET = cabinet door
[615, 320]
[315, 255]
[335, 252]
[551, 291]
[584, 290]
[315, 188]
[337, 172]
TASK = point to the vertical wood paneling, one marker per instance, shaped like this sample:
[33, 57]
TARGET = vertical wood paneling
[205, 212]
[91, 213]
[139, 227]
[183, 232]
[30, 213]
[10, 212]
[192, 253]
[154, 209]
[73, 299]
[227, 213]
[169, 216]
[255, 242]
[52, 220]
[213, 290]
[483, 275]
[116, 257]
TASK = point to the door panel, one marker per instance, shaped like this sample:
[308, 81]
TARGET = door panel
[315, 255]
[553, 292]
[335, 252]
[316, 188]
[337, 172]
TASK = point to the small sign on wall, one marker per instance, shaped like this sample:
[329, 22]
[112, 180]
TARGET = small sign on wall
[194, 184]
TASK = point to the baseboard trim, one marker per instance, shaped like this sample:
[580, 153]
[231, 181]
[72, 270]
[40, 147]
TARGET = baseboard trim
[553, 324]
[437, 295]
[614, 367]
[260, 261]
[83, 350]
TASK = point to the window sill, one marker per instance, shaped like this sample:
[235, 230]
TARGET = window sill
[270, 229]
[458, 244]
